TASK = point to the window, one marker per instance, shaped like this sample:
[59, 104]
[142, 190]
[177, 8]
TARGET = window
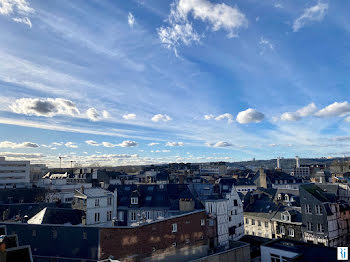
[282, 230]
[279, 196]
[285, 217]
[320, 228]
[109, 215]
[286, 197]
[236, 212]
[259, 223]
[229, 219]
[109, 201]
[307, 209]
[97, 217]
[202, 222]
[134, 200]
[266, 224]
[253, 222]
[275, 258]
[235, 202]
[174, 228]
[120, 216]
[133, 216]
[318, 210]
[291, 232]
[148, 214]
[247, 221]
[97, 202]
[309, 226]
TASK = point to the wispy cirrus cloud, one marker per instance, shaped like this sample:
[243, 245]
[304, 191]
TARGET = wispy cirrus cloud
[18, 10]
[314, 13]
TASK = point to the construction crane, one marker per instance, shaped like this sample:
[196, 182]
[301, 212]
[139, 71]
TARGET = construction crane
[60, 157]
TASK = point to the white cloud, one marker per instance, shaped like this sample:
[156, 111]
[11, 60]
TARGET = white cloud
[71, 145]
[24, 20]
[108, 144]
[17, 9]
[21, 155]
[153, 144]
[92, 143]
[8, 144]
[92, 114]
[129, 116]
[308, 110]
[227, 116]
[131, 20]
[265, 45]
[219, 144]
[250, 116]
[44, 107]
[105, 114]
[128, 143]
[208, 117]
[218, 16]
[335, 109]
[160, 117]
[311, 14]
[174, 144]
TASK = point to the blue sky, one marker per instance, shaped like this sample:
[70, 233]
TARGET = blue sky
[139, 82]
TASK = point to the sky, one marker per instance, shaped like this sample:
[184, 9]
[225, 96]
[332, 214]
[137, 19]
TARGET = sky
[158, 81]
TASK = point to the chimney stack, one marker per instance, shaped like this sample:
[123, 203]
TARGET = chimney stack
[278, 163]
[297, 161]
[262, 178]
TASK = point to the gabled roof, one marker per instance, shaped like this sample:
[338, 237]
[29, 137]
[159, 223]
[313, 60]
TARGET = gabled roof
[92, 192]
[319, 193]
[52, 215]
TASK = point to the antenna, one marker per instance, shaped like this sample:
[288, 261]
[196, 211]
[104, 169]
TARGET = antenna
[60, 157]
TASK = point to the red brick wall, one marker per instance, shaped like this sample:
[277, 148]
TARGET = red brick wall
[139, 241]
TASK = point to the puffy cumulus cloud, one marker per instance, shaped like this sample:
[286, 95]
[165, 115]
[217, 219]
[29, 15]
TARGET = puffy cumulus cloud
[160, 117]
[129, 116]
[227, 116]
[94, 115]
[71, 145]
[250, 116]
[208, 117]
[128, 143]
[153, 144]
[314, 13]
[44, 107]
[174, 144]
[335, 109]
[218, 16]
[8, 144]
[18, 10]
[131, 20]
[108, 144]
[219, 144]
[308, 110]
[105, 114]
[92, 143]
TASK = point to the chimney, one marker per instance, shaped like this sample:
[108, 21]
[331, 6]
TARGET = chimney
[278, 163]
[297, 161]
[262, 178]
[115, 203]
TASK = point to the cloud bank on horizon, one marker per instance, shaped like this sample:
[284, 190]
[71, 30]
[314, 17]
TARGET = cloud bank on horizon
[173, 81]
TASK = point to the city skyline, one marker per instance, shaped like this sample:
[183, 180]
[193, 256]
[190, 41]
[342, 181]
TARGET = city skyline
[139, 82]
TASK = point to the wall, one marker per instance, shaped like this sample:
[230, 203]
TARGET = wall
[154, 237]
[239, 254]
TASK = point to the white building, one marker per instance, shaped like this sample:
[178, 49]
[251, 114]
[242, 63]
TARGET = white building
[14, 174]
[98, 204]
[59, 189]
[229, 216]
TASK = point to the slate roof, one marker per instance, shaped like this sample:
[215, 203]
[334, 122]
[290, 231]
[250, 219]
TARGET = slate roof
[153, 196]
[94, 192]
[306, 252]
[53, 215]
[295, 213]
[319, 193]
[243, 182]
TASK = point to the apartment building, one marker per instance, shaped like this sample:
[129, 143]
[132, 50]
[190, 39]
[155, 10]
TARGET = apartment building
[14, 174]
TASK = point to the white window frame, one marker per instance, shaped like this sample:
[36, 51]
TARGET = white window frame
[134, 200]
[133, 216]
[291, 232]
[308, 209]
[318, 210]
[174, 228]
[202, 222]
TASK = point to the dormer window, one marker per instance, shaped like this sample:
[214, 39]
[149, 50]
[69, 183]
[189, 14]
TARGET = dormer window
[134, 200]
[279, 197]
[286, 197]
